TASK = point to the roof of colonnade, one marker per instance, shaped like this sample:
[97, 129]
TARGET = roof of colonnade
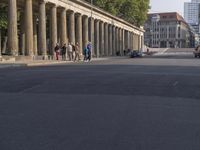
[84, 8]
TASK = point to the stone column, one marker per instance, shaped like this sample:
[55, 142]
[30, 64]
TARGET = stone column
[139, 42]
[85, 31]
[116, 39]
[53, 30]
[4, 47]
[79, 32]
[123, 41]
[135, 42]
[142, 42]
[96, 39]
[91, 35]
[134, 45]
[106, 39]
[63, 27]
[110, 40]
[72, 28]
[35, 48]
[119, 40]
[101, 39]
[29, 28]
[113, 41]
[22, 35]
[130, 40]
[12, 28]
[42, 29]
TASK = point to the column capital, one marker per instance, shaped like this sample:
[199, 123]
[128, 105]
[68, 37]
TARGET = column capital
[101, 21]
[63, 9]
[71, 12]
[53, 5]
[78, 14]
[85, 16]
[42, 1]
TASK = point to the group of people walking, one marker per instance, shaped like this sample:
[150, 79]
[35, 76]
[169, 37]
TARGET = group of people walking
[72, 52]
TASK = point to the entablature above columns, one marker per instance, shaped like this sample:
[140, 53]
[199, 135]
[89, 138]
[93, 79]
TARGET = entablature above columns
[78, 6]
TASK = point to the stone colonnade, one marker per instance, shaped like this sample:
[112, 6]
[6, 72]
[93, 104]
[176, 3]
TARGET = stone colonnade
[43, 24]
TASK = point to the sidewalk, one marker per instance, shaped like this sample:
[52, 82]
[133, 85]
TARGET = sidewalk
[41, 63]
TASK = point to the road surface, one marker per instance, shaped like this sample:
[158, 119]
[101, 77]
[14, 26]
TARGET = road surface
[151, 103]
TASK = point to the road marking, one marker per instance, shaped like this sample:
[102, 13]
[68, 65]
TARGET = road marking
[161, 52]
[175, 83]
[164, 50]
[29, 88]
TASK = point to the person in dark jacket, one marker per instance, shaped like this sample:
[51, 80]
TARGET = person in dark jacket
[63, 52]
[57, 51]
[89, 47]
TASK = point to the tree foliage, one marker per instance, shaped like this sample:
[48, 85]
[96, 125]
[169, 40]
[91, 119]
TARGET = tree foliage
[3, 18]
[133, 11]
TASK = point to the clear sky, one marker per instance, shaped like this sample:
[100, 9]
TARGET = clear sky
[168, 6]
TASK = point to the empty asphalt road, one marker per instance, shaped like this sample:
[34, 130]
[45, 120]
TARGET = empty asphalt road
[115, 104]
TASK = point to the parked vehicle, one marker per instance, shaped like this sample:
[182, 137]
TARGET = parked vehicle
[135, 53]
[197, 52]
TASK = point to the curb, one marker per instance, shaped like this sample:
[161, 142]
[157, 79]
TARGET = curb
[37, 64]
[2, 66]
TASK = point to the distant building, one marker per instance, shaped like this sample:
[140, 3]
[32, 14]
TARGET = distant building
[166, 30]
[192, 15]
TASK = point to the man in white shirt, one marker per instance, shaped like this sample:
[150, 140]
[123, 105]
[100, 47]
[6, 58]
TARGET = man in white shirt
[69, 51]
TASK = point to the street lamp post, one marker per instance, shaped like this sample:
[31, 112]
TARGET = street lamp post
[91, 19]
[91, 7]
[91, 26]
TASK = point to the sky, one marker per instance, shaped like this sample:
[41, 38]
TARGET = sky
[167, 6]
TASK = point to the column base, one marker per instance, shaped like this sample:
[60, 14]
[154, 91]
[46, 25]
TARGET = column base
[14, 54]
[45, 57]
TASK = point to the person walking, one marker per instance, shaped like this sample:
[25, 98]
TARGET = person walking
[89, 47]
[57, 51]
[85, 53]
[63, 52]
[70, 51]
[77, 51]
[73, 51]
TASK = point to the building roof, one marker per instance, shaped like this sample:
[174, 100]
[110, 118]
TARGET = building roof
[168, 16]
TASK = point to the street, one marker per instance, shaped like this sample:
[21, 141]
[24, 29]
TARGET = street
[150, 103]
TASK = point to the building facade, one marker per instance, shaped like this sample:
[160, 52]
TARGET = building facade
[192, 15]
[164, 30]
[35, 26]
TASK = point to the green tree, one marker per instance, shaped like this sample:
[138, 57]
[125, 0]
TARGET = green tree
[133, 11]
[3, 18]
